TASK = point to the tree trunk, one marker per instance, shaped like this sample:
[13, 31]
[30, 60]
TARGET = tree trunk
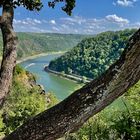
[9, 51]
[71, 113]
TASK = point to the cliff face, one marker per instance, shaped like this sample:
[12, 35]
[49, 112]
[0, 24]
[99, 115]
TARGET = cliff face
[27, 79]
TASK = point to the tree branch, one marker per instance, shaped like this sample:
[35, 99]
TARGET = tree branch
[71, 113]
[0, 21]
[9, 50]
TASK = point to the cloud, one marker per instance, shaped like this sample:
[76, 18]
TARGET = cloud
[52, 22]
[74, 20]
[27, 21]
[116, 19]
[93, 25]
[125, 3]
[75, 24]
[55, 29]
[37, 21]
[29, 25]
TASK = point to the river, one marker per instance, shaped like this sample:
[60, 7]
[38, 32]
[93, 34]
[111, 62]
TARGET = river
[59, 86]
[52, 83]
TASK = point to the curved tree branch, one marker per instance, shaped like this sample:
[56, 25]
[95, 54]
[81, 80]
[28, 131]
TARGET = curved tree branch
[71, 113]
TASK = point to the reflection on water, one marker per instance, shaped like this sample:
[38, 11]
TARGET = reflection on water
[59, 86]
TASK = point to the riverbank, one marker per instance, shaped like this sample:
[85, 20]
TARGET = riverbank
[38, 55]
[74, 77]
[59, 86]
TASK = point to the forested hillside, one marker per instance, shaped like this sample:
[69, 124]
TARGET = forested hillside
[92, 56]
[35, 43]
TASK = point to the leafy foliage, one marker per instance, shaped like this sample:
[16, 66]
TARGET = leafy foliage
[21, 104]
[28, 4]
[24, 101]
[70, 4]
[114, 123]
[92, 56]
[38, 4]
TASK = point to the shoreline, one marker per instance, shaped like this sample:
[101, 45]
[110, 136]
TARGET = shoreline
[75, 78]
[38, 55]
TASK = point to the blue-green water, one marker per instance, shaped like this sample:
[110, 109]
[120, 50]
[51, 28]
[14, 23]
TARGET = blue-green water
[61, 87]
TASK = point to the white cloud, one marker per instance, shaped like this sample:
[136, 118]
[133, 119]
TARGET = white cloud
[135, 25]
[125, 3]
[27, 21]
[37, 21]
[53, 22]
[116, 19]
[74, 20]
[56, 29]
[16, 21]
[75, 24]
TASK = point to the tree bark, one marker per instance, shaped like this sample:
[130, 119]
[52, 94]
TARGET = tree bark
[9, 50]
[71, 113]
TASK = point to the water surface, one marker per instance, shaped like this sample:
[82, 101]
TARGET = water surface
[61, 87]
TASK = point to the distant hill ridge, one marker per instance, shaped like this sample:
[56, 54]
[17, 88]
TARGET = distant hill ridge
[36, 43]
[92, 56]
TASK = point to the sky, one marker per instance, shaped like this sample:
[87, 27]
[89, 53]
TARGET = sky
[88, 17]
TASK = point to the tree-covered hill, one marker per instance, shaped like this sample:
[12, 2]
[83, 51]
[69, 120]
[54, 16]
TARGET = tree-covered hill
[92, 56]
[35, 43]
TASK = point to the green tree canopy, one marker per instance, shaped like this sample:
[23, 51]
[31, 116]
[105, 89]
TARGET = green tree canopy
[38, 4]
